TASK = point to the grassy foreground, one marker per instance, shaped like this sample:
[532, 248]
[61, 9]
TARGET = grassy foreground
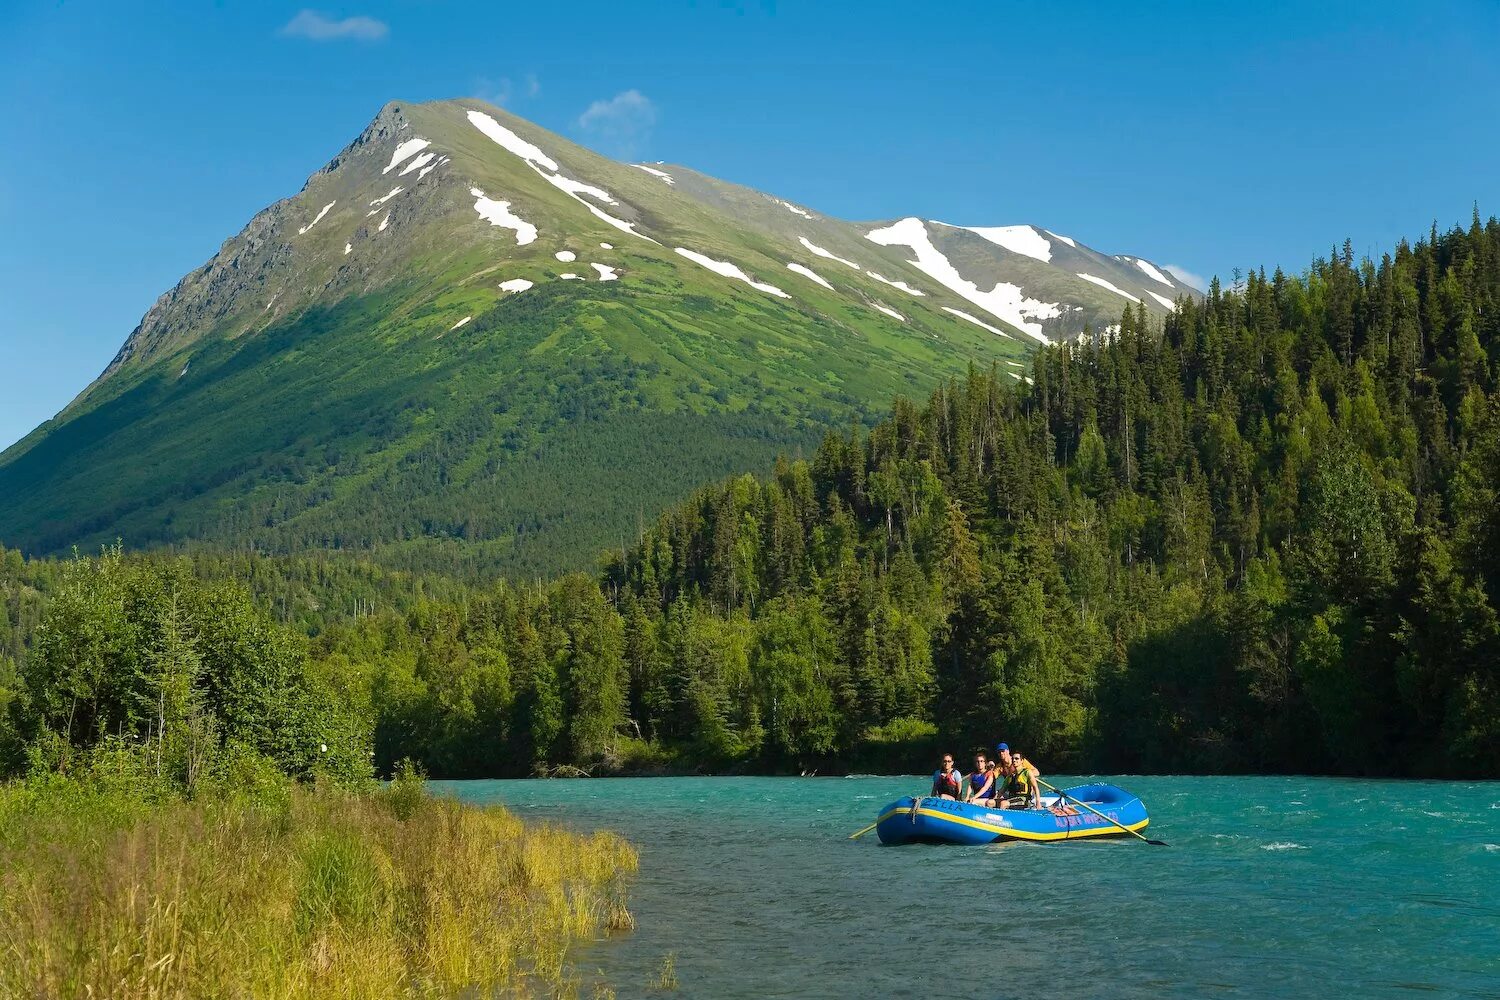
[295, 892]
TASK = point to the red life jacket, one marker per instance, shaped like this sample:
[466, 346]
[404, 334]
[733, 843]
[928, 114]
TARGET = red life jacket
[946, 784]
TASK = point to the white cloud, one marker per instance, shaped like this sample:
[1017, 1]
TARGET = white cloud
[1187, 277]
[623, 123]
[320, 27]
[497, 92]
[501, 91]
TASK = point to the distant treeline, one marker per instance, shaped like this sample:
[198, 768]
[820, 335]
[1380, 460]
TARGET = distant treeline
[1261, 537]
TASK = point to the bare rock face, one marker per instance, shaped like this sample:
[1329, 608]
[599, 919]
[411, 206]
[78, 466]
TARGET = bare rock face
[260, 262]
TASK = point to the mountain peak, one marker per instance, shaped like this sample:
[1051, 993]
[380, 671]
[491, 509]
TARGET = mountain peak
[459, 289]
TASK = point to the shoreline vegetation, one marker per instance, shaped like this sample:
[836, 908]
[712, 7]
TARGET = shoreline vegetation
[290, 890]
[190, 811]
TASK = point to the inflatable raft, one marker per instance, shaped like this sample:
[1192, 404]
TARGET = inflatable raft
[942, 821]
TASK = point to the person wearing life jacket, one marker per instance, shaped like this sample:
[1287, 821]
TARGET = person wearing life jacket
[947, 782]
[981, 783]
[1005, 776]
[1025, 784]
[1020, 787]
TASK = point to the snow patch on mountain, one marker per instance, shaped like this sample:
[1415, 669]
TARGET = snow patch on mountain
[1152, 272]
[498, 213]
[1004, 301]
[385, 222]
[574, 188]
[570, 276]
[656, 173]
[606, 273]
[606, 246]
[896, 284]
[814, 248]
[460, 323]
[730, 270]
[809, 274]
[889, 311]
[794, 209]
[417, 163]
[1023, 240]
[385, 198]
[1064, 239]
[538, 160]
[1108, 284]
[319, 218]
[348, 247]
[579, 187]
[508, 140]
[1168, 303]
[516, 285]
[566, 256]
[404, 150]
[977, 322]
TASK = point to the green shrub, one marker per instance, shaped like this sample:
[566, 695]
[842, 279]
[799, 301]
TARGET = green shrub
[407, 789]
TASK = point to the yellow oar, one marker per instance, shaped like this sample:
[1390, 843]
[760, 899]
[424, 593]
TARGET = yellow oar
[1122, 826]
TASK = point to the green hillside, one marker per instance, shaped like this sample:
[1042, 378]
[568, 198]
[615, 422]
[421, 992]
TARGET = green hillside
[357, 370]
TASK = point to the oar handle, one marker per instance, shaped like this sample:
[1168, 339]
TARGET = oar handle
[1096, 812]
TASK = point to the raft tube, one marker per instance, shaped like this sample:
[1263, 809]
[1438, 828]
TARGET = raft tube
[928, 820]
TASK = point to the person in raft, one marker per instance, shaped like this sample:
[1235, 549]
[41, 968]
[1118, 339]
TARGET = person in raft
[947, 782]
[1018, 788]
[982, 782]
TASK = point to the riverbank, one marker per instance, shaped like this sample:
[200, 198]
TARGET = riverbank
[293, 891]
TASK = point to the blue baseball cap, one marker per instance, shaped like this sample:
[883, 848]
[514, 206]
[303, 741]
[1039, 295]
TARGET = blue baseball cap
[1002, 747]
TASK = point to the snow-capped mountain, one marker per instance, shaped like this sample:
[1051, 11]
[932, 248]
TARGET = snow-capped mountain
[463, 323]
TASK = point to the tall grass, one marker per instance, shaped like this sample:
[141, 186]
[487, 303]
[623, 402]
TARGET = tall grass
[307, 893]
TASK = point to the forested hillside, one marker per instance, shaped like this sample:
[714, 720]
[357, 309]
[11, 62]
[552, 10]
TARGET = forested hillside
[1261, 535]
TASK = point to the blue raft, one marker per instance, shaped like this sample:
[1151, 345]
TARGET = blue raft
[942, 821]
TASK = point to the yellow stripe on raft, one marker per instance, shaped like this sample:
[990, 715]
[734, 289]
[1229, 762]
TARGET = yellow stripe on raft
[1007, 831]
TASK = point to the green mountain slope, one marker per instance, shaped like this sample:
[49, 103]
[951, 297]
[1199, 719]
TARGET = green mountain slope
[470, 344]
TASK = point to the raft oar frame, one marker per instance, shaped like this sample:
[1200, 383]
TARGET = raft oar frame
[1064, 795]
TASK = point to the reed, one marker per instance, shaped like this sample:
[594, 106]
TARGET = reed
[313, 892]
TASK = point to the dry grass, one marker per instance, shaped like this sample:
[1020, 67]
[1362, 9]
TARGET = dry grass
[323, 894]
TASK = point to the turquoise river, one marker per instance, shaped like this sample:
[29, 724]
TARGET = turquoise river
[1271, 887]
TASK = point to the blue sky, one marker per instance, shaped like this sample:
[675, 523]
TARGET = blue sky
[141, 136]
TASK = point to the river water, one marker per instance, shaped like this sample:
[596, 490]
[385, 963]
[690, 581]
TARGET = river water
[1272, 887]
